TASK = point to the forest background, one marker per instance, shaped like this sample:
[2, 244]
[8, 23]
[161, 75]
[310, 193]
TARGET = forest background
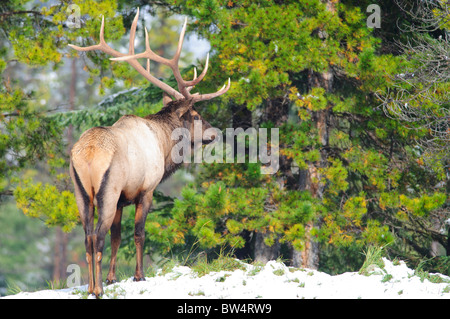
[358, 89]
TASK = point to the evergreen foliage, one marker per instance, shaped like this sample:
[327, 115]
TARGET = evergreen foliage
[370, 185]
[270, 50]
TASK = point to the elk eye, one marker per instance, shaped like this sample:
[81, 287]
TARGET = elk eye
[196, 117]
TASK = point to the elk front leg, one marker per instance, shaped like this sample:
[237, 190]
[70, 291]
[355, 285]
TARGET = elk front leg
[142, 207]
[115, 243]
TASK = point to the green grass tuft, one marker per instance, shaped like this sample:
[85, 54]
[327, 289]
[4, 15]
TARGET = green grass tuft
[373, 259]
[222, 263]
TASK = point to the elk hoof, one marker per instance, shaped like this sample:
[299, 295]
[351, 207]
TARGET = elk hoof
[98, 293]
[110, 282]
[138, 279]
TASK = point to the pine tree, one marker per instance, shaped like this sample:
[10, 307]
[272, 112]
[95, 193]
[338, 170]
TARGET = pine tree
[348, 176]
[33, 37]
[320, 61]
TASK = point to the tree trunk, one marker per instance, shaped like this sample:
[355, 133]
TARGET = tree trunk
[276, 111]
[60, 255]
[72, 94]
[57, 257]
[262, 252]
[61, 238]
[447, 249]
[310, 179]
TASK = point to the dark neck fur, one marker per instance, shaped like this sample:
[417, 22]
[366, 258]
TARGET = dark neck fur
[163, 123]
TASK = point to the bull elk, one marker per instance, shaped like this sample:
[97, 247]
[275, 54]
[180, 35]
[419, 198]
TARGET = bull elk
[119, 165]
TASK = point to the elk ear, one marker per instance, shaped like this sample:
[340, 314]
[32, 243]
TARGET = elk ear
[182, 109]
[166, 99]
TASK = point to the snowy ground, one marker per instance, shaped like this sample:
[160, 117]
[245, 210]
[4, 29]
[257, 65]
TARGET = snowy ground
[274, 280]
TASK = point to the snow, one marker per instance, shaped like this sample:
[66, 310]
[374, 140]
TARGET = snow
[274, 281]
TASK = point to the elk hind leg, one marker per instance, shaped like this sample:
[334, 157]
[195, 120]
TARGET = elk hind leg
[107, 200]
[89, 244]
[115, 243]
[86, 212]
[105, 220]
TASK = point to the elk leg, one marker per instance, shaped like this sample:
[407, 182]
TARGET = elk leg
[115, 243]
[107, 207]
[103, 225]
[142, 207]
[89, 244]
[86, 210]
[87, 218]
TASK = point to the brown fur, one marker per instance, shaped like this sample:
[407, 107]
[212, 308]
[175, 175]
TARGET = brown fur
[115, 166]
[166, 121]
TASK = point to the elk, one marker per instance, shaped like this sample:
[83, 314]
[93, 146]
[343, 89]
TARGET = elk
[119, 165]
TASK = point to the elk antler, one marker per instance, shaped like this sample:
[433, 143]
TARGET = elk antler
[184, 87]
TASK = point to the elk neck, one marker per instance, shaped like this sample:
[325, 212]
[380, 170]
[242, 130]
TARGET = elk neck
[163, 123]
